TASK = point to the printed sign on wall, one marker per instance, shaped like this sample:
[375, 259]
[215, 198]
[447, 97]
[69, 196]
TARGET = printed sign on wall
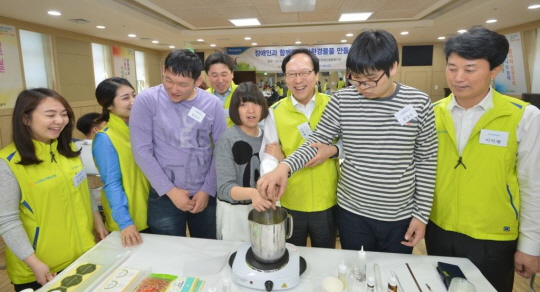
[124, 64]
[331, 57]
[11, 79]
[511, 80]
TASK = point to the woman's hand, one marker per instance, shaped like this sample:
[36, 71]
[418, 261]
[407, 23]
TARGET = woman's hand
[130, 236]
[100, 232]
[40, 269]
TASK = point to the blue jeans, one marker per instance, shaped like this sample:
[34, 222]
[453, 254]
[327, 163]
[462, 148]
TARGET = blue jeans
[356, 231]
[164, 218]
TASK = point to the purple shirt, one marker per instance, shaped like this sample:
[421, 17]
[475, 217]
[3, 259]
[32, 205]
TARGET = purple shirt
[172, 146]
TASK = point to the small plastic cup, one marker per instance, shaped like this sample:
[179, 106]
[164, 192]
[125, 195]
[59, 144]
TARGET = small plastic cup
[332, 284]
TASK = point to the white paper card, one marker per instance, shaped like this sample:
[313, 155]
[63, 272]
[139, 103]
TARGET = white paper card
[196, 114]
[495, 138]
[406, 114]
[226, 110]
[304, 130]
[79, 177]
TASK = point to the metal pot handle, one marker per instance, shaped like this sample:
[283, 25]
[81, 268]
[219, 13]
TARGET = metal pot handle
[289, 226]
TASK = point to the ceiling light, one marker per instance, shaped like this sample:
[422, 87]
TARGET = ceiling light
[212, 45]
[298, 42]
[253, 44]
[297, 6]
[491, 21]
[343, 41]
[132, 35]
[155, 42]
[245, 21]
[462, 31]
[100, 27]
[441, 38]
[404, 33]
[200, 40]
[535, 6]
[355, 16]
[54, 13]
[171, 47]
[247, 38]
[349, 35]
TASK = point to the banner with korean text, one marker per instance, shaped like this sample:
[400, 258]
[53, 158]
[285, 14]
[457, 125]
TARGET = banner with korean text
[511, 80]
[124, 64]
[268, 59]
[11, 79]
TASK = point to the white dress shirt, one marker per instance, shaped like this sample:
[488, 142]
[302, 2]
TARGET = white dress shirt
[528, 164]
[269, 162]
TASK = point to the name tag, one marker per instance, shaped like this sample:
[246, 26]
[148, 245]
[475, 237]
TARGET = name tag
[79, 177]
[495, 138]
[304, 130]
[226, 112]
[406, 114]
[196, 114]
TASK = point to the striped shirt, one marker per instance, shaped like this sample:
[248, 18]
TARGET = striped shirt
[388, 173]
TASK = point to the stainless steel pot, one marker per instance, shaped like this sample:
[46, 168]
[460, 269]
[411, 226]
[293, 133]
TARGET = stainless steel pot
[268, 232]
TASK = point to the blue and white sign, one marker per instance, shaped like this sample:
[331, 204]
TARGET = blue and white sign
[331, 57]
[511, 80]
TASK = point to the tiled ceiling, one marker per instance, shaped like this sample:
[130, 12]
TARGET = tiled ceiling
[181, 22]
[269, 12]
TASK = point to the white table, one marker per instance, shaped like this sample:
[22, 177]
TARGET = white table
[208, 260]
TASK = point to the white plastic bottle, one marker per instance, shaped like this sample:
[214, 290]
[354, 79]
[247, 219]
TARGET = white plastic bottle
[342, 274]
[362, 262]
[370, 285]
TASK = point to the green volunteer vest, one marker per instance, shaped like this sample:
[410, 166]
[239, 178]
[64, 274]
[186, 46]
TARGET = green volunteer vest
[481, 200]
[227, 102]
[311, 189]
[55, 209]
[135, 184]
[340, 84]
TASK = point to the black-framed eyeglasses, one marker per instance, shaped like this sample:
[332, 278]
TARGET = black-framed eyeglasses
[365, 84]
[302, 74]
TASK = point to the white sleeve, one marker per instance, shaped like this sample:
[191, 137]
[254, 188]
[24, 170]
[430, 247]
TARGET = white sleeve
[268, 162]
[528, 168]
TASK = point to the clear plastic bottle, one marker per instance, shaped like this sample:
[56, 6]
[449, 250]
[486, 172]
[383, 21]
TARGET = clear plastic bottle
[370, 285]
[392, 284]
[362, 262]
[342, 274]
[226, 281]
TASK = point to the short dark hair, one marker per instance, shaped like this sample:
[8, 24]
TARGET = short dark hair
[247, 92]
[87, 122]
[371, 51]
[219, 58]
[27, 102]
[314, 59]
[183, 62]
[106, 92]
[479, 43]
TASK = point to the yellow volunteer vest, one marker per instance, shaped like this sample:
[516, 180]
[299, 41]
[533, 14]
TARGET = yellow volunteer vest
[227, 103]
[135, 184]
[340, 84]
[55, 209]
[311, 189]
[481, 197]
